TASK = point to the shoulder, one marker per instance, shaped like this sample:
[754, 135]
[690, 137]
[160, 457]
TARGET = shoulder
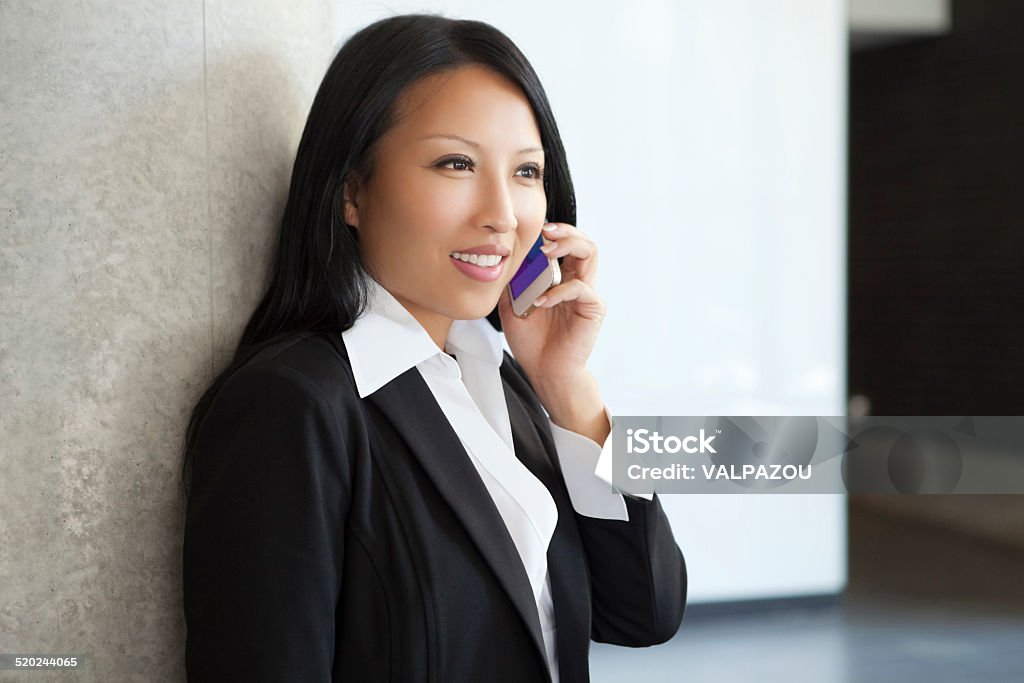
[286, 416]
[312, 366]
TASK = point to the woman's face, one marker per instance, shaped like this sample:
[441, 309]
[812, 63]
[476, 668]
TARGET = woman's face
[432, 195]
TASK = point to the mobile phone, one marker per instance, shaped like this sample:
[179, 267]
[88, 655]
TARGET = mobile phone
[536, 275]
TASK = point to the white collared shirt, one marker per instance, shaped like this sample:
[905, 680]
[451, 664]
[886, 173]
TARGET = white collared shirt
[387, 340]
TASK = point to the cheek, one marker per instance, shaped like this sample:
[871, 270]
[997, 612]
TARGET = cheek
[410, 233]
[431, 221]
[534, 216]
[437, 202]
[526, 241]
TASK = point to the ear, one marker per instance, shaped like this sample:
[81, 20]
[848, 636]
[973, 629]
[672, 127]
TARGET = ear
[351, 205]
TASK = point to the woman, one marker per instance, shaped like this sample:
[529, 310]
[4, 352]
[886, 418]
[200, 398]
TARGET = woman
[376, 490]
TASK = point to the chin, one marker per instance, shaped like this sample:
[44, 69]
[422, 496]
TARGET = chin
[476, 309]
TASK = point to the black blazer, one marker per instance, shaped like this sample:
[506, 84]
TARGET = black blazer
[333, 538]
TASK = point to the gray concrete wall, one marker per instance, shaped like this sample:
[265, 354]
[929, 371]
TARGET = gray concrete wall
[145, 150]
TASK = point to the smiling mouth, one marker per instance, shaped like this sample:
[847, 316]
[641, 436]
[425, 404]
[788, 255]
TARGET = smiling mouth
[488, 267]
[483, 260]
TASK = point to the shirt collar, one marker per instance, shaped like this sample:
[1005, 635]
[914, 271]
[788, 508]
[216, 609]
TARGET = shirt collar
[387, 340]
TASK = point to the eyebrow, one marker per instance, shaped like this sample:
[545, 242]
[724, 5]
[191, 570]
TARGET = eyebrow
[452, 136]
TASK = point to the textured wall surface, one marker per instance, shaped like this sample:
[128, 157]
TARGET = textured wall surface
[145, 150]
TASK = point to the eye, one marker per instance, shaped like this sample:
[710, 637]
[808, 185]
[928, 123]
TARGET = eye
[538, 171]
[444, 163]
[469, 164]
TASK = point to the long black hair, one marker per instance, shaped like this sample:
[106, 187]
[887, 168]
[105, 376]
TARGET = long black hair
[318, 279]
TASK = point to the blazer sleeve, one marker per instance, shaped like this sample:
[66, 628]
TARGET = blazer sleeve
[264, 532]
[637, 575]
[637, 572]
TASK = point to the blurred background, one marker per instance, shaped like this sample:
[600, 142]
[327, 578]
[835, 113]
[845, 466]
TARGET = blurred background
[804, 207]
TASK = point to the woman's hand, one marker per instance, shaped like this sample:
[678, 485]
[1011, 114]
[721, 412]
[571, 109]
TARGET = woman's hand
[553, 342]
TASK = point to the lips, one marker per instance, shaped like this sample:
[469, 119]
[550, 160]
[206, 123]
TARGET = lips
[481, 273]
[498, 249]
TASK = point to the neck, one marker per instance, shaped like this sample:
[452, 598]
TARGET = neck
[436, 325]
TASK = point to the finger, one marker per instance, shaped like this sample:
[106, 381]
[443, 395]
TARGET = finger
[558, 229]
[582, 257]
[572, 245]
[574, 290]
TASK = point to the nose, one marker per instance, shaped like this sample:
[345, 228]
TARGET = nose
[497, 208]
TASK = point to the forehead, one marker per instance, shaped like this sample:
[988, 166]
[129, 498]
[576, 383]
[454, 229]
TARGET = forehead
[473, 102]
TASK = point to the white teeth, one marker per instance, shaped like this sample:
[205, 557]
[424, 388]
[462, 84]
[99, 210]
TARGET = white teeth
[485, 260]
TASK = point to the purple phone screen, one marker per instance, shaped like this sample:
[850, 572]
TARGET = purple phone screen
[533, 265]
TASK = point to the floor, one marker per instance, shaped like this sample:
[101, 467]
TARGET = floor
[922, 604]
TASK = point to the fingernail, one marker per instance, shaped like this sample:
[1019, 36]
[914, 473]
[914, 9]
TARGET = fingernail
[550, 246]
[550, 226]
[539, 300]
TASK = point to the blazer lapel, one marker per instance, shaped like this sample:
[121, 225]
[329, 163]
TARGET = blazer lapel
[437, 447]
[566, 564]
